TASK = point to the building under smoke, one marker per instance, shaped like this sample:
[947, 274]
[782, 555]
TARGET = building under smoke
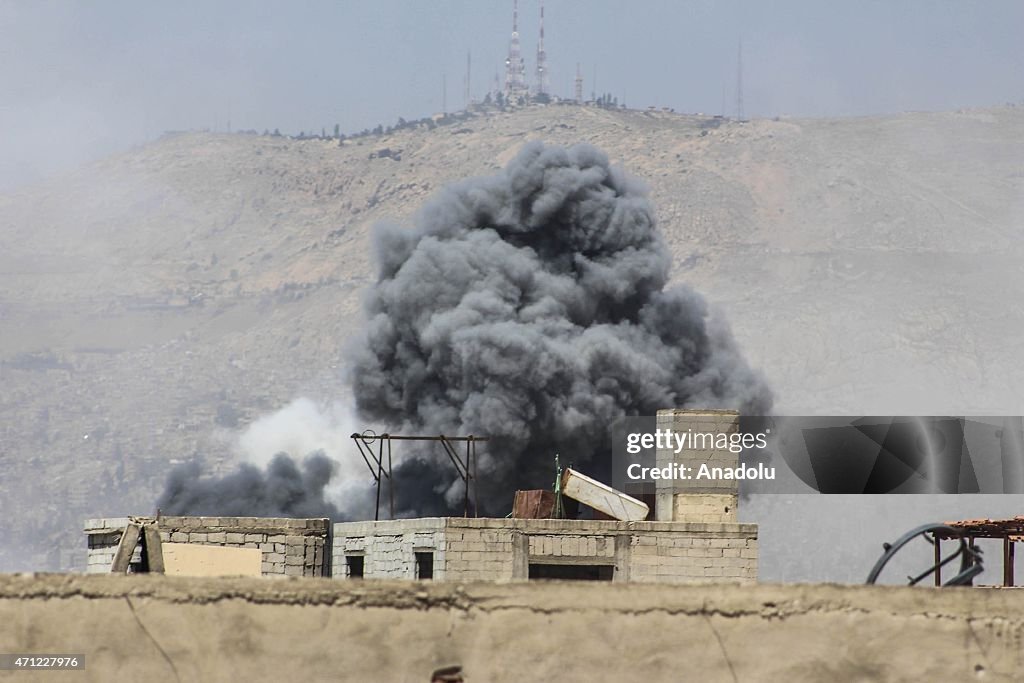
[694, 536]
[532, 307]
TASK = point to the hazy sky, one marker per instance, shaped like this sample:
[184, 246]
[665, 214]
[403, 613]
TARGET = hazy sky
[82, 79]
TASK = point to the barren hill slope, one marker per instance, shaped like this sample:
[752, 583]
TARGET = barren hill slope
[154, 302]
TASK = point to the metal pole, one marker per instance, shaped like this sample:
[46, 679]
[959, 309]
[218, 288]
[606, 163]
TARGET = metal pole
[391, 486]
[465, 494]
[1010, 559]
[360, 442]
[938, 561]
[476, 482]
[468, 478]
[380, 472]
[1006, 560]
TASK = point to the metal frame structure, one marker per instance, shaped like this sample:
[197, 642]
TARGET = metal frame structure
[380, 463]
[1011, 531]
[969, 554]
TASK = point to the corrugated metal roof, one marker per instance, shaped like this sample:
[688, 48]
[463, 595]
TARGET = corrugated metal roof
[1012, 528]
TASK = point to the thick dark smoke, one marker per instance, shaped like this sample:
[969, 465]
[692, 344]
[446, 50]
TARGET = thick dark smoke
[532, 307]
[283, 490]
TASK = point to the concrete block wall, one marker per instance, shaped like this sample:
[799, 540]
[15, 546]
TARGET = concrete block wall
[389, 550]
[572, 546]
[707, 508]
[289, 547]
[482, 550]
[503, 549]
[707, 552]
[705, 500]
[102, 536]
[649, 551]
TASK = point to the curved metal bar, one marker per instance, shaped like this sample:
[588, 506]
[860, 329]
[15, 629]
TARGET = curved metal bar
[970, 555]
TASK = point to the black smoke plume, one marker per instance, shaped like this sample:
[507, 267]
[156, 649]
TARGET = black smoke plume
[283, 490]
[532, 307]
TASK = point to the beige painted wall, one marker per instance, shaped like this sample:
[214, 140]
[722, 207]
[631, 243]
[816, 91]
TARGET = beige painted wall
[184, 559]
[173, 629]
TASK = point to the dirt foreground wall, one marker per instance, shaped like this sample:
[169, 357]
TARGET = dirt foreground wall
[156, 628]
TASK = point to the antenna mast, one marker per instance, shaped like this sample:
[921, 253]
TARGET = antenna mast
[515, 67]
[542, 58]
[739, 82]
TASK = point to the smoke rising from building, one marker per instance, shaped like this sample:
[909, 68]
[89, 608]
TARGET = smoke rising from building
[269, 482]
[282, 490]
[532, 307]
[308, 426]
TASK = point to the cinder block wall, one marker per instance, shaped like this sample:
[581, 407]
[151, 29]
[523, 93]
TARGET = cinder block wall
[484, 550]
[463, 549]
[707, 552]
[709, 508]
[102, 537]
[290, 547]
[503, 549]
[710, 501]
[389, 549]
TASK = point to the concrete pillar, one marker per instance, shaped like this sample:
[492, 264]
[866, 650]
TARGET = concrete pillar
[697, 500]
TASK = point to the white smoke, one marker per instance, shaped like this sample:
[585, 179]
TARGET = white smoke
[306, 426]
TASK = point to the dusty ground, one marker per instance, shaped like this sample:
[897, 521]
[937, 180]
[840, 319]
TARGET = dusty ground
[164, 629]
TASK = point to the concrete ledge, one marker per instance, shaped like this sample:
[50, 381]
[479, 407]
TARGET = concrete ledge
[105, 526]
[773, 601]
[388, 526]
[699, 414]
[608, 560]
[162, 628]
[255, 525]
[568, 526]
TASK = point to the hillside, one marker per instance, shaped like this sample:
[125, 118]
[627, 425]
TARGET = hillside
[154, 303]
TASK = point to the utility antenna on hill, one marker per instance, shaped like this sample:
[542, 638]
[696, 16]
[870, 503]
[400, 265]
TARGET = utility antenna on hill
[542, 58]
[579, 84]
[444, 93]
[739, 82]
[469, 97]
[515, 67]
